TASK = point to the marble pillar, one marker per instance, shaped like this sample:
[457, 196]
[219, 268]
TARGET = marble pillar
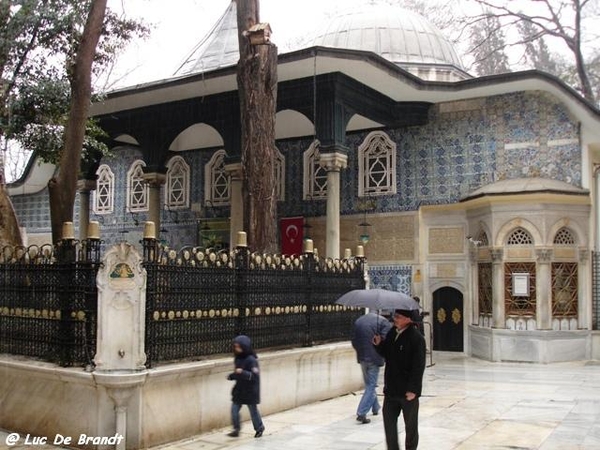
[333, 163]
[85, 188]
[584, 307]
[155, 180]
[498, 306]
[543, 287]
[474, 283]
[236, 220]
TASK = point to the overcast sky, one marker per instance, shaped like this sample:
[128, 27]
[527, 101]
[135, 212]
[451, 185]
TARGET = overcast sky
[178, 25]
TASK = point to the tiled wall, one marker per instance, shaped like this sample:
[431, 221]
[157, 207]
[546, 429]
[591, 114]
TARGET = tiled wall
[391, 277]
[465, 145]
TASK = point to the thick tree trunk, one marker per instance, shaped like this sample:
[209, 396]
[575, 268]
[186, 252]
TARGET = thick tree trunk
[257, 87]
[9, 226]
[63, 186]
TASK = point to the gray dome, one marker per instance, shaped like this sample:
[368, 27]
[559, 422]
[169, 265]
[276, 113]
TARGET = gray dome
[399, 35]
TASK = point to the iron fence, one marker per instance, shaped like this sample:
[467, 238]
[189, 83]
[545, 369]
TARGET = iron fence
[198, 300]
[48, 300]
[596, 290]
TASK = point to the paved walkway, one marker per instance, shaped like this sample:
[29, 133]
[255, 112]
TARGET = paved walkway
[468, 405]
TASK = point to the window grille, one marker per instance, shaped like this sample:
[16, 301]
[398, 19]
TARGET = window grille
[519, 236]
[564, 289]
[104, 195]
[279, 175]
[484, 272]
[519, 305]
[564, 236]
[217, 180]
[137, 188]
[315, 176]
[178, 183]
[377, 165]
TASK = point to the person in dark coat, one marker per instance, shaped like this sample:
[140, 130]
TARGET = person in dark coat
[365, 328]
[403, 349]
[246, 390]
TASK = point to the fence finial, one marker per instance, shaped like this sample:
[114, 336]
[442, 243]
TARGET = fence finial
[68, 232]
[93, 231]
[308, 246]
[347, 253]
[149, 230]
[360, 251]
[242, 239]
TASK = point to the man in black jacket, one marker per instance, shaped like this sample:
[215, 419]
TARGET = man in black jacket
[404, 351]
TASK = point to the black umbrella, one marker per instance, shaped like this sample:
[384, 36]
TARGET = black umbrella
[378, 299]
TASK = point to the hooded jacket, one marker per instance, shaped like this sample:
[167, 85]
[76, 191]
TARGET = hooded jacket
[246, 390]
[365, 328]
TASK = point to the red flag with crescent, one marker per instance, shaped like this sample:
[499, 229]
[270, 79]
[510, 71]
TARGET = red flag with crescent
[292, 235]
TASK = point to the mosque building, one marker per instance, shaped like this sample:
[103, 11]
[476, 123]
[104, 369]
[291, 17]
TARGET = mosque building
[479, 195]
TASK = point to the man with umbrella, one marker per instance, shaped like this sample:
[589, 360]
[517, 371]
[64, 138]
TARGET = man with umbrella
[365, 328]
[403, 349]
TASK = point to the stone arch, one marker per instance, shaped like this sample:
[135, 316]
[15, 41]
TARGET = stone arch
[482, 227]
[358, 122]
[290, 123]
[518, 222]
[574, 227]
[124, 139]
[198, 135]
[447, 283]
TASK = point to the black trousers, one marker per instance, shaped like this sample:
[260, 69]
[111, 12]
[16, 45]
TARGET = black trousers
[392, 407]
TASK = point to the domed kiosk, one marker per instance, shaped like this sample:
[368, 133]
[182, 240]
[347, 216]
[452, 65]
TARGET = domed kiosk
[399, 35]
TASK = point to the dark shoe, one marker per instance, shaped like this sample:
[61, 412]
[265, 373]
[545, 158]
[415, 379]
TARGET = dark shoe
[375, 413]
[234, 433]
[363, 419]
[259, 433]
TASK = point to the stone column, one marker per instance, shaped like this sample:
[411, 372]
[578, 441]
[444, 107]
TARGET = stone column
[333, 163]
[498, 306]
[84, 187]
[474, 294]
[155, 180]
[584, 307]
[543, 287]
[236, 220]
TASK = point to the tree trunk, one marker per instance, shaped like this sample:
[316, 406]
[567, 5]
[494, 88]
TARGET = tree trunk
[63, 187]
[257, 87]
[582, 70]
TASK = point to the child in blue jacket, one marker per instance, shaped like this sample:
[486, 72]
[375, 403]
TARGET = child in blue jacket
[247, 386]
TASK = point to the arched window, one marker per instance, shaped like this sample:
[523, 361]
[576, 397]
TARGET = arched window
[564, 236]
[483, 239]
[104, 195]
[377, 165]
[137, 188]
[315, 176]
[519, 236]
[279, 175]
[177, 193]
[216, 180]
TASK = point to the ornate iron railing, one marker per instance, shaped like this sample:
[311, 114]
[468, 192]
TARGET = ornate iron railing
[48, 301]
[198, 300]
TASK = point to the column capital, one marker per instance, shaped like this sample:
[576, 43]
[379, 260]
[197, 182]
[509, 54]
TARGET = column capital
[86, 185]
[235, 170]
[584, 255]
[155, 179]
[497, 254]
[333, 162]
[544, 255]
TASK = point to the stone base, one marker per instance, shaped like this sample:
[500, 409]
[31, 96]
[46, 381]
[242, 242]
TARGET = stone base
[531, 346]
[174, 402]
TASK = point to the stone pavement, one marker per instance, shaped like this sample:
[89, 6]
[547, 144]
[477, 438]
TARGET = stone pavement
[468, 404]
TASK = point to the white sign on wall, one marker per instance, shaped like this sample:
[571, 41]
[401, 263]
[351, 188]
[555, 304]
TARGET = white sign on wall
[520, 285]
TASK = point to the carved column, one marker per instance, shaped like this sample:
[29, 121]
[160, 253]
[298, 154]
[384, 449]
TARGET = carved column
[84, 187]
[155, 180]
[333, 163]
[473, 257]
[236, 221]
[498, 303]
[584, 306]
[543, 286]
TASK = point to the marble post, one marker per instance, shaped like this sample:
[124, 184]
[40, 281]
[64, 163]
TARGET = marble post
[333, 163]
[543, 287]
[84, 187]
[474, 294]
[120, 357]
[584, 307]
[236, 221]
[155, 180]
[498, 307]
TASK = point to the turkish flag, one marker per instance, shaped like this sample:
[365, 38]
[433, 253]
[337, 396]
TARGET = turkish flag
[292, 234]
